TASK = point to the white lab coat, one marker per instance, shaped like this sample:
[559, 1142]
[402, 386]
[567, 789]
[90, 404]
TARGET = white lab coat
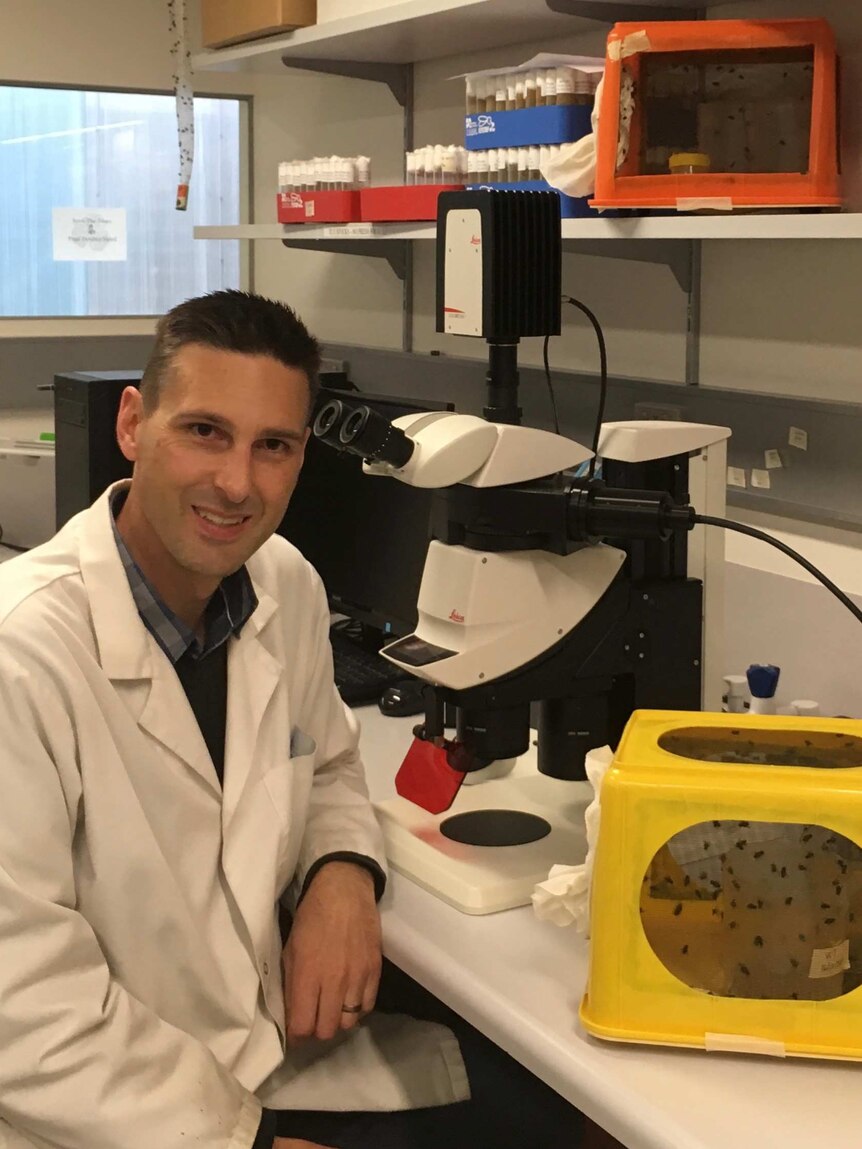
[141, 1000]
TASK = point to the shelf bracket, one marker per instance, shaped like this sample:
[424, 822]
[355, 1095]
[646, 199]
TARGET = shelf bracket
[693, 316]
[597, 10]
[684, 259]
[674, 253]
[396, 252]
[397, 77]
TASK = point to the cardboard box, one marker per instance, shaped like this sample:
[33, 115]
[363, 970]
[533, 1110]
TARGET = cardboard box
[229, 21]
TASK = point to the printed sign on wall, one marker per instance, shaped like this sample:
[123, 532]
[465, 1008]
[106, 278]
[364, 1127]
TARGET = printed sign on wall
[89, 233]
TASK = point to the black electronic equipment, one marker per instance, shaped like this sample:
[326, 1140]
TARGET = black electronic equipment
[367, 537]
[87, 456]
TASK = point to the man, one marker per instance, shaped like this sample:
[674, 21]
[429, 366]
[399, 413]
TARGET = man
[174, 762]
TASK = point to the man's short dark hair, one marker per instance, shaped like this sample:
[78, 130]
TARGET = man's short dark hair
[232, 321]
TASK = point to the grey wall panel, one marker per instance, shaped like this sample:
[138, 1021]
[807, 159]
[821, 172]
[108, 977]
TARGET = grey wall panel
[799, 627]
[27, 363]
[822, 484]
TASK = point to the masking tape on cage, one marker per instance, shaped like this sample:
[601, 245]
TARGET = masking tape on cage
[743, 1043]
[629, 45]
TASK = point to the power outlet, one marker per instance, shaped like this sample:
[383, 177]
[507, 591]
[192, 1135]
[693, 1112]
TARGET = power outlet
[658, 411]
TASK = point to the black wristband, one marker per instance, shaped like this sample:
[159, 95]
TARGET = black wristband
[266, 1130]
[358, 860]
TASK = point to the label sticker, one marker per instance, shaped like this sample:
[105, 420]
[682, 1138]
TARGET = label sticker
[773, 460]
[828, 963]
[761, 479]
[736, 477]
[798, 438]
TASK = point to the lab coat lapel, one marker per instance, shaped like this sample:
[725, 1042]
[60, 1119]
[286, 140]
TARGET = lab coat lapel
[168, 717]
[141, 672]
[253, 676]
[250, 831]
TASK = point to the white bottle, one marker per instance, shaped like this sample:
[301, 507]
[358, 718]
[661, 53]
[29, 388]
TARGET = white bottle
[363, 172]
[511, 165]
[450, 165]
[531, 92]
[550, 85]
[511, 79]
[737, 692]
[470, 97]
[534, 173]
[462, 164]
[565, 86]
[520, 90]
[500, 92]
[472, 167]
[439, 156]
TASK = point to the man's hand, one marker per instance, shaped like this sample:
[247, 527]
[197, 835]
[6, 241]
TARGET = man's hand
[332, 958]
[293, 1143]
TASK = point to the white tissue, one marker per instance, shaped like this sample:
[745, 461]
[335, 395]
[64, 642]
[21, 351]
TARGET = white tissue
[564, 899]
[573, 169]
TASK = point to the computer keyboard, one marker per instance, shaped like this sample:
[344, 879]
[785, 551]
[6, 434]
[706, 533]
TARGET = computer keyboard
[361, 675]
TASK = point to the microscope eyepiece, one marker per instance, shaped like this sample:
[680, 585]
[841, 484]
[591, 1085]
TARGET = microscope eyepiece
[327, 422]
[362, 431]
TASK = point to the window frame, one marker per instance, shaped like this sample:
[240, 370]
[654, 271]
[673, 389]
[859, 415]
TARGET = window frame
[144, 322]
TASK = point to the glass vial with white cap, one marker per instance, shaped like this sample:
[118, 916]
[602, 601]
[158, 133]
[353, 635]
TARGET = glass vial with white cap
[500, 92]
[471, 106]
[550, 86]
[511, 92]
[565, 87]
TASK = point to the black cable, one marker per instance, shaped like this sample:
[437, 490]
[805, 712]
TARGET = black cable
[603, 360]
[550, 384]
[754, 533]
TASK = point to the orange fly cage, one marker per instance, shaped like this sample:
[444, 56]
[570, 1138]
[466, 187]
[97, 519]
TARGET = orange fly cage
[719, 114]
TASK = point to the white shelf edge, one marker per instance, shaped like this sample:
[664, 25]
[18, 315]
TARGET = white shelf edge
[409, 31]
[831, 225]
[787, 227]
[360, 232]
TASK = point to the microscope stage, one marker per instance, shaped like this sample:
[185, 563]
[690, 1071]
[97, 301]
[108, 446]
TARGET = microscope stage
[484, 879]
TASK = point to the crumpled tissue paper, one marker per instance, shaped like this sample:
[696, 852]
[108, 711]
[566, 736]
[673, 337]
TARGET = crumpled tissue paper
[573, 170]
[564, 899]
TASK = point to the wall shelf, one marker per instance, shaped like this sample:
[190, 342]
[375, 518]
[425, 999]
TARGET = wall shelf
[429, 29]
[746, 227]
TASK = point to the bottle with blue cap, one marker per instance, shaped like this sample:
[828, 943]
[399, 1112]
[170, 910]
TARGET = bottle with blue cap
[762, 683]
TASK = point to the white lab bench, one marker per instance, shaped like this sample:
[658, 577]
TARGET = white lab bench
[520, 982]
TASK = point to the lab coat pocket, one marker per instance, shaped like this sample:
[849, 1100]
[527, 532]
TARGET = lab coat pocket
[301, 743]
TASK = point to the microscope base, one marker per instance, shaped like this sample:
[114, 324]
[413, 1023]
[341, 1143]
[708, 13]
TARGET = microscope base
[485, 879]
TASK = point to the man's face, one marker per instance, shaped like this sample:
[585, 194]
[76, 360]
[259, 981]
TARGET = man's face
[217, 460]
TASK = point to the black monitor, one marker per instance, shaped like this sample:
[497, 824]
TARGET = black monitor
[367, 535]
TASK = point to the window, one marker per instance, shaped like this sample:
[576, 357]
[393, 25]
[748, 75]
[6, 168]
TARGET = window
[113, 150]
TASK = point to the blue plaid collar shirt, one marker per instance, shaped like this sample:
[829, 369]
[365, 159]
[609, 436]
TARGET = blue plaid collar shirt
[227, 612]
